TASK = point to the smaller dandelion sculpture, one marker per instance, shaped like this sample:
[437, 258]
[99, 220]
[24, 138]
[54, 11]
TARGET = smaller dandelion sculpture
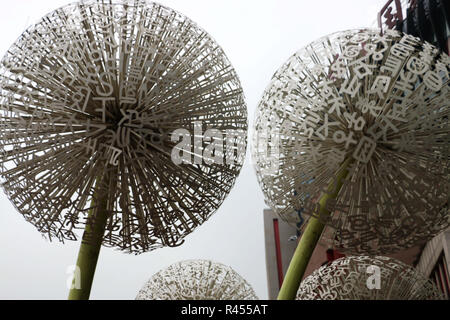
[367, 278]
[197, 280]
[353, 132]
[94, 100]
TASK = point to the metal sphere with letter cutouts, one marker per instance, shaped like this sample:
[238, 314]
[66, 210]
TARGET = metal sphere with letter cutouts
[367, 278]
[353, 129]
[90, 98]
[197, 280]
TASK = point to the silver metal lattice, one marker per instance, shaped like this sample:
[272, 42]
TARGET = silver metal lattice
[375, 106]
[89, 99]
[355, 278]
[197, 280]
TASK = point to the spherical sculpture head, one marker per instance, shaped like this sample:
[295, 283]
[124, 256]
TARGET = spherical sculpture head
[95, 98]
[197, 280]
[364, 116]
[367, 278]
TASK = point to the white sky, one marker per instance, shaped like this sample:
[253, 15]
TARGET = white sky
[257, 36]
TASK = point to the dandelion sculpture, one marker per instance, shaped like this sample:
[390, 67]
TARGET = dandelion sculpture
[353, 132]
[90, 99]
[197, 280]
[367, 278]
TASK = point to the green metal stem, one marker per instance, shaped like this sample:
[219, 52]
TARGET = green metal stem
[309, 239]
[90, 248]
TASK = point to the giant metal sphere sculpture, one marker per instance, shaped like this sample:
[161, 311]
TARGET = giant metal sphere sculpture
[367, 278]
[90, 97]
[197, 280]
[375, 106]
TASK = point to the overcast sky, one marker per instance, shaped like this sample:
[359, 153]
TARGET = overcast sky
[257, 36]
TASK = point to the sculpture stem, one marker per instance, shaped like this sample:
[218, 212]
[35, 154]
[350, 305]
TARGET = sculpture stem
[309, 239]
[90, 246]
